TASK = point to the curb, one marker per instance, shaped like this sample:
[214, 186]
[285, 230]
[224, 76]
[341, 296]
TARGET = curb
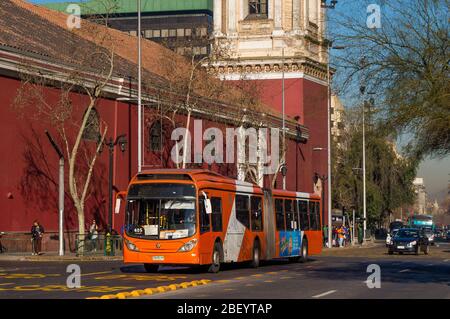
[58, 259]
[154, 291]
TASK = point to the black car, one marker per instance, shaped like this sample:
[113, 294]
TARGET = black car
[409, 240]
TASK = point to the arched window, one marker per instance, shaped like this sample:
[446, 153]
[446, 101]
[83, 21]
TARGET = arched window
[155, 137]
[257, 7]
[92, 129]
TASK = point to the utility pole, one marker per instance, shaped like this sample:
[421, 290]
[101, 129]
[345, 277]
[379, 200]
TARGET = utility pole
[121, 141]
[364, 178]
[60, 193]
[139, 89]
[284, 119]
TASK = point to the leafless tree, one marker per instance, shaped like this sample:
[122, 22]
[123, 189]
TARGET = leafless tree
[90, 72]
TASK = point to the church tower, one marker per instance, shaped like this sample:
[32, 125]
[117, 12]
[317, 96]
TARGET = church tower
[271, 40]
[262, 35]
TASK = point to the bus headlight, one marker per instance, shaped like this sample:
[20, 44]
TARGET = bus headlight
[131, 246]
[188, 246]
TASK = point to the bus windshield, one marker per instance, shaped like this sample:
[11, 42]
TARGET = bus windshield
[172, 217]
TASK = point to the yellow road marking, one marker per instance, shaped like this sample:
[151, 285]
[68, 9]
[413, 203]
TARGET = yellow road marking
[97, 273]
[268, 280]
[26, 276]
[285, 277]
[223, 280]
[7, 283]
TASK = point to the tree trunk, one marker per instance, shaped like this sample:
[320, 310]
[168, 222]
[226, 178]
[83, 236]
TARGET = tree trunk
[81, 230]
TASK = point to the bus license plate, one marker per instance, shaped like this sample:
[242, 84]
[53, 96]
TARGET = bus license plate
[401, 247]
[158, 258]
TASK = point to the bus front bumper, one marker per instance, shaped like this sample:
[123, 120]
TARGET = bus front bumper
[161, 258]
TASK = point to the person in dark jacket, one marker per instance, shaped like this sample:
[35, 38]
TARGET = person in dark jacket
[37, 232]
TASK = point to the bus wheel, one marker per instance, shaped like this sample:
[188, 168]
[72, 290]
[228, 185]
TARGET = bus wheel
[151, 267]
[304, 256]
[215, 266]
[255, 255]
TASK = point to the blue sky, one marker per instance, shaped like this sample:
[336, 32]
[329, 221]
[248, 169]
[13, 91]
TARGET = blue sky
[435, 172]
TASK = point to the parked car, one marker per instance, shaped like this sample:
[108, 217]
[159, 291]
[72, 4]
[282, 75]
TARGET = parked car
[409, 240]
[390, 236]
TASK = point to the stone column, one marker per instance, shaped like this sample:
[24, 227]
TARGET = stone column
[296, 8]
[217, 17]
[232, 7]
[278, 18]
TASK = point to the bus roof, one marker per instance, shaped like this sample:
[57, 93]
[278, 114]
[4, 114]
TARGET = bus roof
[207, 176]
[194, 175]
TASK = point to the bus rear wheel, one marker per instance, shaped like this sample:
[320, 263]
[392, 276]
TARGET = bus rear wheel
[304, 252]
[215, 266]
[151, 268]
[256, 255]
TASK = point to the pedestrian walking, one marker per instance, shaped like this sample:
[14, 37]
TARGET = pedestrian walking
[37, 231]
[341, 236]
[93, 235]
[325, 236]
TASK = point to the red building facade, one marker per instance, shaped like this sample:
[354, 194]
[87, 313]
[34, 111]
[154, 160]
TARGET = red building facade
[29, 165]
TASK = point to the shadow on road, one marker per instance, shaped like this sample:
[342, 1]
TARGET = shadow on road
[409, 271]
[202, 269]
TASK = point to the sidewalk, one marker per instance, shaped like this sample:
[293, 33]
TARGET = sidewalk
[54, 257]
[370, 244]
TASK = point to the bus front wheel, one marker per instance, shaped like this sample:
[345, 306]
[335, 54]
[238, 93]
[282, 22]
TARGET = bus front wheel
[215, 266]
[151, 268]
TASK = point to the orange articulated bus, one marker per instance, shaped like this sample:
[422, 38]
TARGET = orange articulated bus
[197, 217]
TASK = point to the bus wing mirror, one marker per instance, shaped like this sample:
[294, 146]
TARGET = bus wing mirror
[119, 197]
[208, 207]
[207, 203]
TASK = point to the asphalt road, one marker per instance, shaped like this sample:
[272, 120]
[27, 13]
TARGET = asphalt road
[335, 274]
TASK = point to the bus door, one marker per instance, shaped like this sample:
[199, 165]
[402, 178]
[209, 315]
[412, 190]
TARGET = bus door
[291, 239]
[238, 222]
[205, 211]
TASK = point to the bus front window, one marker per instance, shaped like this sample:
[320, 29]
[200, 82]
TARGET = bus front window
[161, 218]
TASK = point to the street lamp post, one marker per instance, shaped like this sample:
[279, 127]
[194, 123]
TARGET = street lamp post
[121, 141]
[284, 117]
[364, 175]
[61, 193]
[329, 47]
[139, 89]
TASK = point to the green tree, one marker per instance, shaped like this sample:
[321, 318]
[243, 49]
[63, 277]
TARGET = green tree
[389, 176]
[406, 62]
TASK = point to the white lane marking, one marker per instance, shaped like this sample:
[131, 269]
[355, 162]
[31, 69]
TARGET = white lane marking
[445, 260]
[325, 294]
[405, 270]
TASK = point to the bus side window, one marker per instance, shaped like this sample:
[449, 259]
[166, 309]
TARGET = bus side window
[256, 213]
[279, 214]
[290, 212]
[312, 216]
[303, 210]
[216, 217]
[242, 210]
[204, 217]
